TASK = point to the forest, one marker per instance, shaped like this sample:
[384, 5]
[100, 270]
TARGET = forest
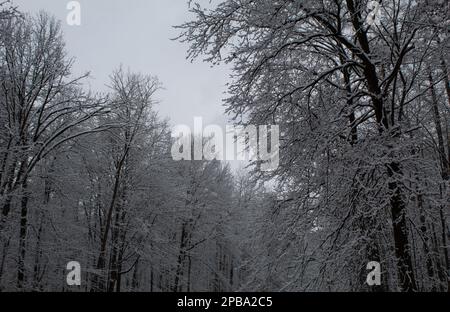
[360, 92]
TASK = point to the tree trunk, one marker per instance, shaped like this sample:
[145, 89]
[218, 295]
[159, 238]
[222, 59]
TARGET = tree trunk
[445, 160]
[99, 282]
[181, 257]
[402, 248]
[22, 234]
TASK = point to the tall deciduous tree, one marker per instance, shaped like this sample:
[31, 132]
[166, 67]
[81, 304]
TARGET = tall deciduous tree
[346, 90]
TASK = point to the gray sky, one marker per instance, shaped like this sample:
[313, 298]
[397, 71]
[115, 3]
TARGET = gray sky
[136, 34]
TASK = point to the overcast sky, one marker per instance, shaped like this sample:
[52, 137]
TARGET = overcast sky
[136, 34]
